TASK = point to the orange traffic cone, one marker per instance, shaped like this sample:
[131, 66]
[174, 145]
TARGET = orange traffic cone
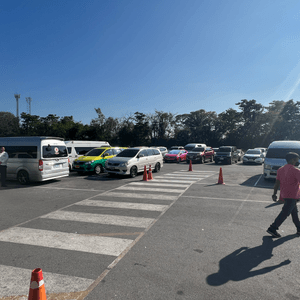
[37, 288]
[150, 177]
[220, 181]
[190, 166]
[145, 177]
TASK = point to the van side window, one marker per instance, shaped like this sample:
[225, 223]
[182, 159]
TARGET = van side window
[144, 152]
[21, 151]
[156, 152]
[69, 150]
[82, 150]
[150, 152]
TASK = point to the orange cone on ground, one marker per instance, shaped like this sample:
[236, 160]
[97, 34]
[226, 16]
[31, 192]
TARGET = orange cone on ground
[190, 166]
[150, 177]
[220, 181]
[37, 288]
[145, 176]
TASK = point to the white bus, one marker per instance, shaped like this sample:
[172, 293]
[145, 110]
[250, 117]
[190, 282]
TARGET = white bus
[79, 148]
[35, 158]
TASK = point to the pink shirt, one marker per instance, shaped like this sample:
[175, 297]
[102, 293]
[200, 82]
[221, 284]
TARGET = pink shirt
[289, 178]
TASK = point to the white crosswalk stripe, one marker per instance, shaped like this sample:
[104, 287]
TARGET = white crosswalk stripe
[99, 219]
[149, 189]
[162, 189]
[66, 241]
[126, 205]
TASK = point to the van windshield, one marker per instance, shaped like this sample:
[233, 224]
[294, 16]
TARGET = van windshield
[95, 152]
[198, 149]
[225, 149]
[280, 152]
[54, 151]
[128, 153]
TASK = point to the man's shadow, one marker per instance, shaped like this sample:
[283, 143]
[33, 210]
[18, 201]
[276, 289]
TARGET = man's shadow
[237, 266]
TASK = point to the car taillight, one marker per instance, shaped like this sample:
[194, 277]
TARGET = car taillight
[41, 166]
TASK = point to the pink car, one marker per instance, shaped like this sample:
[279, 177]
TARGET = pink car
[175, 156]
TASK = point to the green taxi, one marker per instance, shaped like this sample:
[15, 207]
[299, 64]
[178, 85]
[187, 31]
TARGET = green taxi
[94, 160]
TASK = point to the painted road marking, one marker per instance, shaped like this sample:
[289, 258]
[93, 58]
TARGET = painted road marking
[66, 241]
[126, 205]
[143, 196]
[177, 177]
[152, 182]
[150, 189]
[99, 218]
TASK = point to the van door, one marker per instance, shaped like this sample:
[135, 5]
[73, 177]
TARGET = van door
[143, 160]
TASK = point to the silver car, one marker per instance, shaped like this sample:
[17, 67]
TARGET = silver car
[132, 161]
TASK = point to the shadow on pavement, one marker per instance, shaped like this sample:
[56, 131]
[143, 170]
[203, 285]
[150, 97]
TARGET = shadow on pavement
[237, 266]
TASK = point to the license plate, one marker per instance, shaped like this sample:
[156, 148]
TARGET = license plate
[77, 166]
[56, 166]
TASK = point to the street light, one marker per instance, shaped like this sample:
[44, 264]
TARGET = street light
[17, 96]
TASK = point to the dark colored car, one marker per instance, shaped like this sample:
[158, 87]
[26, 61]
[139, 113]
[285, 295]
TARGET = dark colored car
[226, 154]
[200, 154]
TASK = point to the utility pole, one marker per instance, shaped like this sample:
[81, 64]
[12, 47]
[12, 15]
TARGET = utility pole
[17, 96]
[28, 100]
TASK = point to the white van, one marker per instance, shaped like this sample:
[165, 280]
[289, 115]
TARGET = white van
[132, 161]
[35, 158]
[275, 157]
[79, 148]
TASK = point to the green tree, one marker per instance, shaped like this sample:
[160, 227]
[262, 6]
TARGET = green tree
[9, 124]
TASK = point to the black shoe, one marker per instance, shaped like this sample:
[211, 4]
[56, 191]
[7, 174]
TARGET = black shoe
[273, 232]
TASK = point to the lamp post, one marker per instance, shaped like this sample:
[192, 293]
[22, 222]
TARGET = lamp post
[28, 100]
[17, 96]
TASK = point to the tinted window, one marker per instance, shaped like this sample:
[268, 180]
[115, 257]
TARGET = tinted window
[198, 149]
[128, 153]
[280, 153]
[253, 152]
[144, 152]
[156, 152]
[21, 151]
[150, 152]
[54, 151]
[95, 152]
[83, 150]
[116, 151]
[69, 150]
[224, 149]
[174, 151]
[109, 152]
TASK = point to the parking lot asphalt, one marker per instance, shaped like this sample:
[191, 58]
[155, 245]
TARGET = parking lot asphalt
[210, 243]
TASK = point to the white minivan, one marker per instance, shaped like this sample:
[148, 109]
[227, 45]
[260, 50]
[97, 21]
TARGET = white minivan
[132, 161]
[275, 157]
[35, 158]
[79, 148]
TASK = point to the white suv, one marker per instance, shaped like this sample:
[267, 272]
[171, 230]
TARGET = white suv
[131, 161]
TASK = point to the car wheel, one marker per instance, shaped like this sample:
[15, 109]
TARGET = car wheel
[212, 158]
[202, 160]
[179, 160]
[157, 167]
[98, 169]
[230, 162]
[216, 162]
[133, 172]
[23, 177]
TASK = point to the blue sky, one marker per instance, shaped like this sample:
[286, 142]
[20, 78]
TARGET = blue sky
[125, 56]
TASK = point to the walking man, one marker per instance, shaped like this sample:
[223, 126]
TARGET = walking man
[3, 166]
[288, 178]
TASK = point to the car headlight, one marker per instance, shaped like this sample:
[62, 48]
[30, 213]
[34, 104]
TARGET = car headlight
[123, 164]
[268, 167]
[89, 162]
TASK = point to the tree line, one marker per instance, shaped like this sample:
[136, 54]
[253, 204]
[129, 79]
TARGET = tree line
[252, 125]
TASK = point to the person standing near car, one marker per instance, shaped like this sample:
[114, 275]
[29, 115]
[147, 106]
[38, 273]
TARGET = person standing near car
[3, 166]
[288, 179]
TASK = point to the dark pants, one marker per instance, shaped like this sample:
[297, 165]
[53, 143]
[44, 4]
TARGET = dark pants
[289, 208]
[3, 174]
